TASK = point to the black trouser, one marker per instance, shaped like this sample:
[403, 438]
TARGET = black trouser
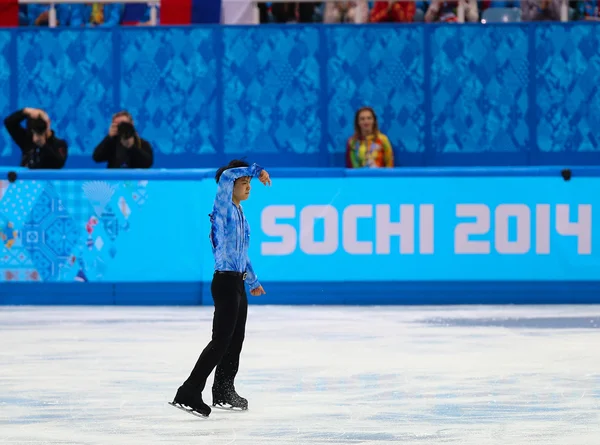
[229, 328]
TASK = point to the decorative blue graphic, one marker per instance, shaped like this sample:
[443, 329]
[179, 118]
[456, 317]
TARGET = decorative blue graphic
[272, 90]
[513, 94]
[168, 83]
[567, 95]
[480, 96]
[99, 231]
[6, 69]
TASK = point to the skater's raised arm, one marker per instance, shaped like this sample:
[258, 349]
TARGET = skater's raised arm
[227, 180]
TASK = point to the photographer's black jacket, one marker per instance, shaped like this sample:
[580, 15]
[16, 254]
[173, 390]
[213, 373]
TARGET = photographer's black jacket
[52, 155]
[110, 150]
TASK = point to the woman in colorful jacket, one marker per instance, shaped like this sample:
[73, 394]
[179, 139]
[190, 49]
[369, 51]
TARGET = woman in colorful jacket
[368, 147]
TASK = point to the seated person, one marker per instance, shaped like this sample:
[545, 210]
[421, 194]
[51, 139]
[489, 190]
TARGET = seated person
[447, 11]
[393, 11]
[346, 12]
[96, 14]
[368, 147]
[123, 147]
[39, 15]
[39, 146]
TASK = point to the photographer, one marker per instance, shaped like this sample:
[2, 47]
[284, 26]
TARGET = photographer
[39, 146]
[123, 147]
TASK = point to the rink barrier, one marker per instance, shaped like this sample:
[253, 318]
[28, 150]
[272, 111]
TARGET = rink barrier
[319, 236]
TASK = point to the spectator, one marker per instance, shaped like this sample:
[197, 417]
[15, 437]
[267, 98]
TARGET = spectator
[23, 17]
[346, 12]
[446, 11]
[587, 9]
[39, 15]
[264, 12]
[96, 14]
[288, 12]
[393, 11]
[39, 145]
[540, 10]
[123, 147]
[368, 147]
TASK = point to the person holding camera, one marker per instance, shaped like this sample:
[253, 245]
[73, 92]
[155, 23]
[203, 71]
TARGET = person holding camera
[123, 147]
[39, 145]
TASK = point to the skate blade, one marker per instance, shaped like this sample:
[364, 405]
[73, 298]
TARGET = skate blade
[226, 407]
[188, 410]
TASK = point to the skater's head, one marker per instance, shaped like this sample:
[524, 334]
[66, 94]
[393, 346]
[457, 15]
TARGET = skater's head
[241, 187]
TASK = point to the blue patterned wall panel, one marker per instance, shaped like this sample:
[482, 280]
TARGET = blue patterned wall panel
[479, 82]
[69, 74]
[567, 88]
[169, 84]
[383, 70]
[272, 89]
[5, 74]
[447, 94]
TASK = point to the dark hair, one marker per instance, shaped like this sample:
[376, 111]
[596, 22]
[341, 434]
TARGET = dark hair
[37, 125]
[236, 163]
[357, 133]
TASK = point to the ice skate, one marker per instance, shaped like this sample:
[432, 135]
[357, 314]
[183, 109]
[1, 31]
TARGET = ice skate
[189, 399]
[229, 399]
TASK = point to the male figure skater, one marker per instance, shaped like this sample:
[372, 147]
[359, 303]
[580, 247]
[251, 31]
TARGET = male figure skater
[229, 236]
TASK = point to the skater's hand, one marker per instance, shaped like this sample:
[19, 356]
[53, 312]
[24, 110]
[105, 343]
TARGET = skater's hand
[257, 292]
[264, 178]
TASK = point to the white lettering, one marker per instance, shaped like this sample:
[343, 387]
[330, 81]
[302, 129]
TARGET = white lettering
[481, 226]
[271, 227]
[350, 233]
[582, 229]
[542, 229]
[426, 226]
[299, 230]
[308, 215]
[523, 242]
[405, 228]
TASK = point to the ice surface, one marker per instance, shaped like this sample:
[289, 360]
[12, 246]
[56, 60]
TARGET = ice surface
[312, 375]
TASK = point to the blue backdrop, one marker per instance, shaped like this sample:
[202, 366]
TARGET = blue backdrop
[512, 94]
[417, 236]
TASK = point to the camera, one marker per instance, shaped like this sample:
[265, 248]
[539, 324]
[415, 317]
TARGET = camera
[37, 125]
[125, 130]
